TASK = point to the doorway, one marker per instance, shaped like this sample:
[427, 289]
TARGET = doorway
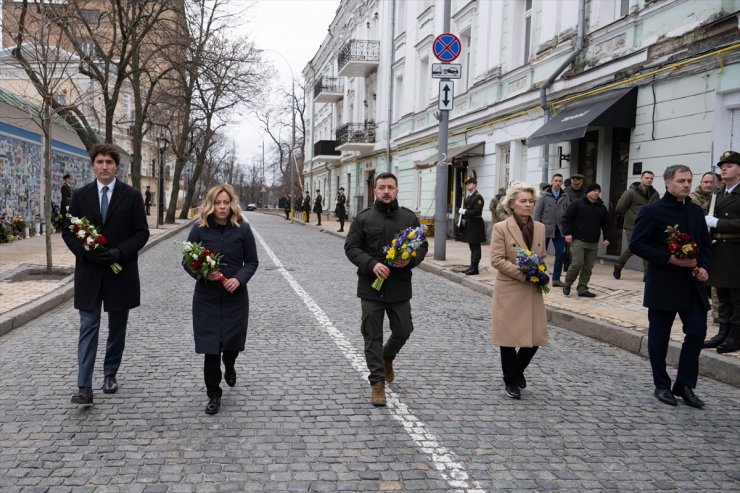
[617, 186]
[588, 148]
[370, 188]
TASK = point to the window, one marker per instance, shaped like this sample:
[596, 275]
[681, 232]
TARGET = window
[466, 60]
[527, 30]
[398, 98]
[90, 17]
[503, 156]
[624, 7]
[417, 190]
[735, 130]
[400, 17]
[424, 75]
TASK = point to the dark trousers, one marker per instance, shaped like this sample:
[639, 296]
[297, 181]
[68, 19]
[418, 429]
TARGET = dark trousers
[148, 208]
[558, 243]
[729, 305]
[659, 331]
[87, 345]
[212, 371]
[318, 216]
[474, 253]
[513, 362]
[341, 221]
[399, 319]
[287, 213]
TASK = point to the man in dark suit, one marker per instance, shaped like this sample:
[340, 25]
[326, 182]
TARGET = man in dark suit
[474, 232]
[725, 275]
[66, 194]
[318, 206]
[148, 199]
[117, 211]
[340, 209]
[674, 285]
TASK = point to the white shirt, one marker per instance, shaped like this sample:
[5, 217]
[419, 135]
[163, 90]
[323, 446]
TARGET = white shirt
[110, 186]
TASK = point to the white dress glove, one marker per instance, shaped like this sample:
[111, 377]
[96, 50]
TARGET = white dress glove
[711, 221]
[462, 210]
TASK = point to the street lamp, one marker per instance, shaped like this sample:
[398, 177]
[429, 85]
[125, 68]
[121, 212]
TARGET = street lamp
[162, 144]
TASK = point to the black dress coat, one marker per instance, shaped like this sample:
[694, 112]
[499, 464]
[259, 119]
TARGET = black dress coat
[318, 207]
[725, 271]
[340, 210]
[125, 228]
[475, 228]
[220, 318]
[66, 199]
[667, 286]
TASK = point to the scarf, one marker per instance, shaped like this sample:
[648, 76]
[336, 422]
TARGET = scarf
[527, 229]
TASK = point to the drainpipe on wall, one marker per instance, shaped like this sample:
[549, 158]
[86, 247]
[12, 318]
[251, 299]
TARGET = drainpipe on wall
[313, 114]
[390, 85]
[551, 79]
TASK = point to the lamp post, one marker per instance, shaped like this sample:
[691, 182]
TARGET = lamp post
[162, 144]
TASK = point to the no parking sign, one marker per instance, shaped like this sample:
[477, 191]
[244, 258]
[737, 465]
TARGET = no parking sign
[446, 47]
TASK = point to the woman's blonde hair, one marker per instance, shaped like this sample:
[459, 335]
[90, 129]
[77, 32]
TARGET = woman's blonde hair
[207, 207]
[515, 189]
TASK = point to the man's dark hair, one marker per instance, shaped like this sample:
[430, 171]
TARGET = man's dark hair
[671, 171]
[556, 175]
[385, 176]
[646, 172]
[105, 149]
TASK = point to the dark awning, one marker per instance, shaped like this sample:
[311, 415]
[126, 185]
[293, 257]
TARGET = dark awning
[462, 152]
[616, 110]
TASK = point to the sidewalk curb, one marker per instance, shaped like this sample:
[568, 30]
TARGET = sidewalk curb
[19, 316]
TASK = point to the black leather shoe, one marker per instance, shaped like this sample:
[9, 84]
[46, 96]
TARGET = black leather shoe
[512, 391]
[213, 405]
[473, 271]
[566, 290]
[587, 294]
[522, 383]
[687, 395]
[83, 398]
[230, 376]
[110, 386]
[617, 272]
[665, 396]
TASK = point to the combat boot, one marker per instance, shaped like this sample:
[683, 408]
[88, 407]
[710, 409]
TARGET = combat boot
[388, 368]
[472, 270]
[378, 393]
[715, 341]
[731, 342]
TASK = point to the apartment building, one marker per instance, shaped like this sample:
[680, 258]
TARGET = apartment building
[629, 85]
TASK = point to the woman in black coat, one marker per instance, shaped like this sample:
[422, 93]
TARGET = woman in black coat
[221, 306]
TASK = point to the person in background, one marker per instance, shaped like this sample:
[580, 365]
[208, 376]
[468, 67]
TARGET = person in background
[117, 211]
[287, 207]
[575, 189]
[221, 303]
[148, 199]
[306, 207]
[371, 230]
[674, 285]
[66, 195]
[340, 209]
[702, 195]
[519, 319]
[582, 222]
[638, 195]
[493, 206]
[474, 233]
[550, 209]
[318, 206]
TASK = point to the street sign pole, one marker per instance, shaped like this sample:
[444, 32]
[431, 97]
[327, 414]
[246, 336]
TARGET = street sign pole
[440, 194]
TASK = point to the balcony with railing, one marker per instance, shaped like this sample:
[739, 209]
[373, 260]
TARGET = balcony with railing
[328, 90]
[356, 137]
[325, 151]
[358, 58]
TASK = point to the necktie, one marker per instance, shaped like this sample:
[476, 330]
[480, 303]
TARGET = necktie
[104, 203]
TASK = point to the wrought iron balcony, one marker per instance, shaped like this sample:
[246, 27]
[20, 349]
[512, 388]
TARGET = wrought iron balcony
[326, 151]
[358, 58]
[328, 90]
[356, 136]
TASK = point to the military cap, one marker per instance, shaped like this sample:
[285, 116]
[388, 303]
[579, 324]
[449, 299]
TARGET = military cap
[471, 180]
[729, 157]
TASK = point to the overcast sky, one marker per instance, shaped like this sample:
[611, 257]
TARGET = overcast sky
[295, 29]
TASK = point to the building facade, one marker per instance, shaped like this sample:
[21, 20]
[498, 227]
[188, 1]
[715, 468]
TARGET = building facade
[628, 85]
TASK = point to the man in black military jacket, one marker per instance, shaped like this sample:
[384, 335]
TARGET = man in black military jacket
[117, 211]
[339, 209]
[306, 207]
[474, 232]
[66, 194]
[674, 285]
[725, 273]
[318, 206]
[371, 230]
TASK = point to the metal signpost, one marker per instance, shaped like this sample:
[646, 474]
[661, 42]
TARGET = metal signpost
[446, 48]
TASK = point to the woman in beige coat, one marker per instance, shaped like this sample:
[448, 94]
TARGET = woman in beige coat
[519, 319]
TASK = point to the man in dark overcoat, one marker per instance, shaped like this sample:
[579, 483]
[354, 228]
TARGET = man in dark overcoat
[307, 207]
[66, 194]
[474, 232]
[674, 285]
[318, 206]
[340, 209]
[148, 199]
[117, 211]
[287, 206]
[725, 273]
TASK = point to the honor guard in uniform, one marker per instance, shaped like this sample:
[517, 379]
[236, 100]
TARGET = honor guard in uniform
[724, 275]
[475, 229]
[318, 206]
[339, 209]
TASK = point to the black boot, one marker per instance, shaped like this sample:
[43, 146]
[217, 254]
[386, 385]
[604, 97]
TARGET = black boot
[472, 270]
[731, 342]
[715, 341]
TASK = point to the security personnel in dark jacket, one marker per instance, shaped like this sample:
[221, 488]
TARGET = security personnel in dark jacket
[307, 207]
[66, 195]
[475, 229]
[371, 230]
[725, 273]
[318, 206]
[339, 209]
[671, 286]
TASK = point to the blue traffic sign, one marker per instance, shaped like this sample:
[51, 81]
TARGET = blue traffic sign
[446, 47]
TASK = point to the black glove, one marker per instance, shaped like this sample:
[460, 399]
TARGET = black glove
[544, 279]
[92, 257]
[110, 256]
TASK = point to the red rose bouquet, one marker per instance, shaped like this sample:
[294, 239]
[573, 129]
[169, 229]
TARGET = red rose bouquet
[682, 245]
[200, 260]
[88, 235]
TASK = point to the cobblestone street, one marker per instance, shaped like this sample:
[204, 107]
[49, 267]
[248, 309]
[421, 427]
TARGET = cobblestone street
[299, 418]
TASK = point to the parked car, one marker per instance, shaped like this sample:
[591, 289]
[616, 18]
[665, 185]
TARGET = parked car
[251, 207]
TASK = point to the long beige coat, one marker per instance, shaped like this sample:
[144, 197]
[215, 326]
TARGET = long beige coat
[519, 318]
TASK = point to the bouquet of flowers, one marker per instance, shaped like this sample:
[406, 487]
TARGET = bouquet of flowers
[534, 268]
[403, 247]
[88, 235]
[682, 245]
[200, 260]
